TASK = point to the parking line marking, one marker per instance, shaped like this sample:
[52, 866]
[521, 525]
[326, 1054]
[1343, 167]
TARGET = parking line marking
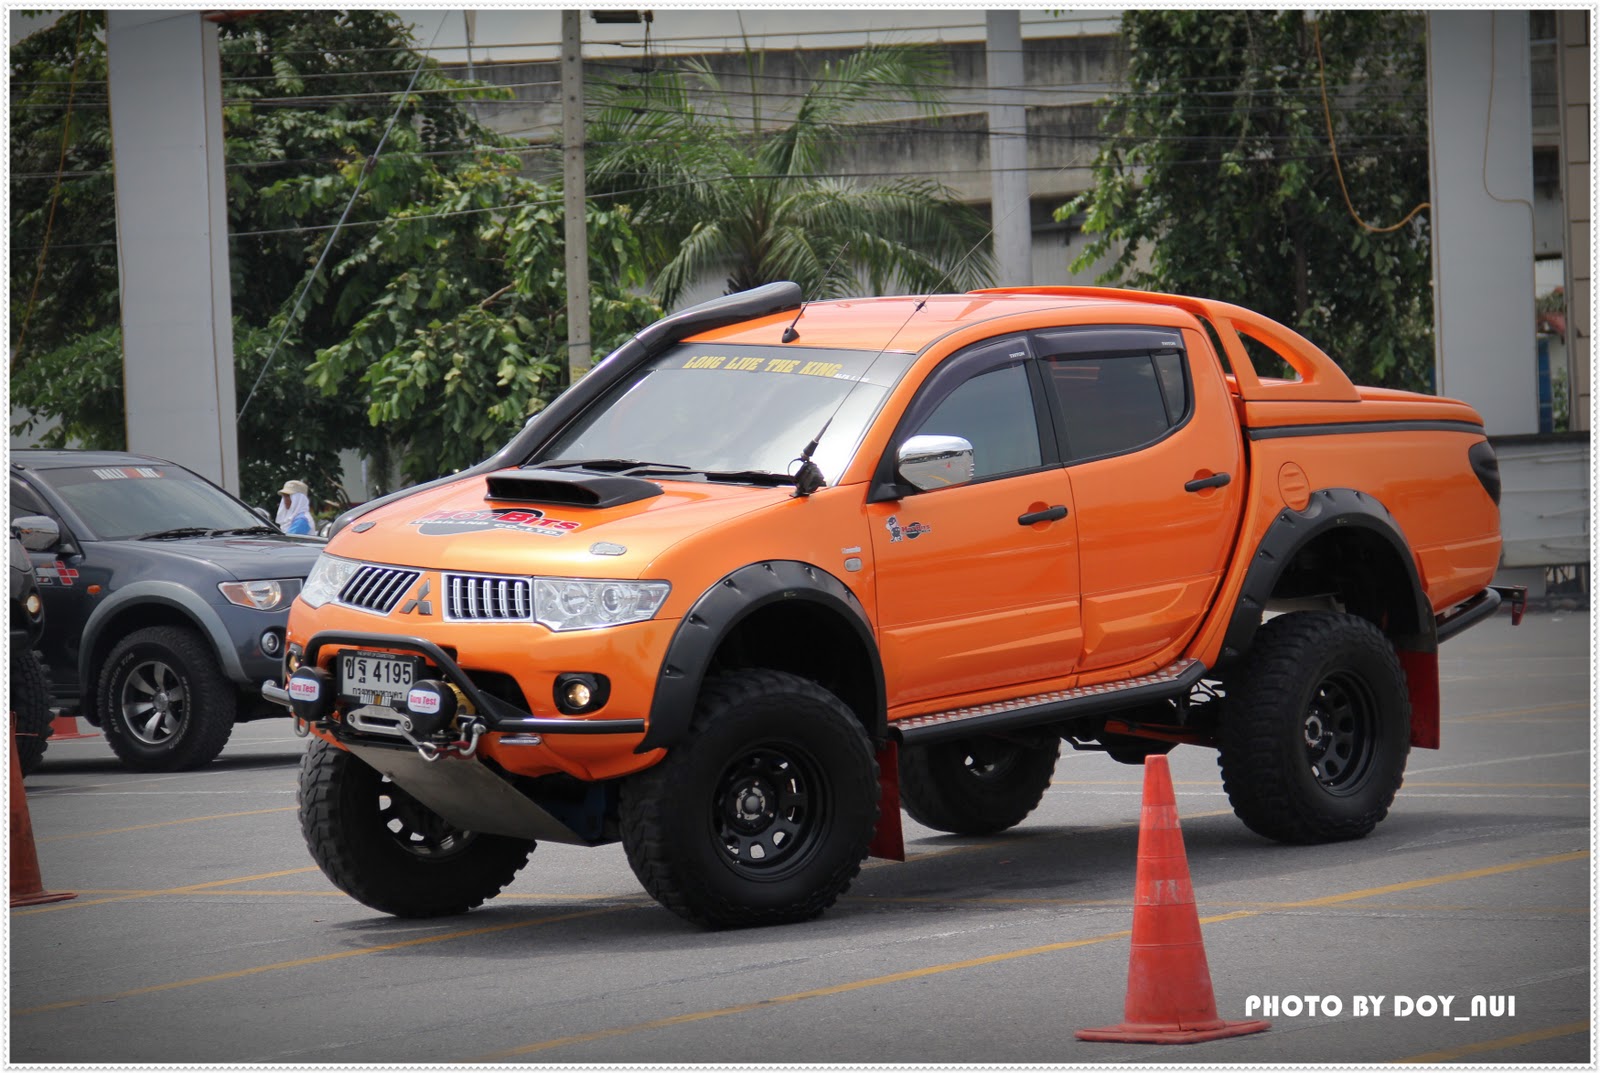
[316, 959]
[1535, 1036]
[1501, 760]
[164, 823]
[990, 959]
[189, 889]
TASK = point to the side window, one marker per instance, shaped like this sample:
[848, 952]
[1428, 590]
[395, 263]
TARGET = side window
[1111, 404]
[24, 502]
[994, 412]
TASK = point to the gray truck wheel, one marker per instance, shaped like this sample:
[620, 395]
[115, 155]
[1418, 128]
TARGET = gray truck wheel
[163, 701]
[30, 707]
[763, 812]
[387, 851]
[976, 786]
[1315, 729]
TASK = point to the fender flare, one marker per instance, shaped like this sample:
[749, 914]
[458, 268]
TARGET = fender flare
[715, 615]
[1329, 509]
[165, 594]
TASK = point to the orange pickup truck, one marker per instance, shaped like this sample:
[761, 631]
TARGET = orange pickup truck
[773, 570]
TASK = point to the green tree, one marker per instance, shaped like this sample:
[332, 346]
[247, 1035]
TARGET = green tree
[1217, 179]
[722, 192]
[308, 97]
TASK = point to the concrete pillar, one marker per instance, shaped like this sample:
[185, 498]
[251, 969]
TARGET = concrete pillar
[1482, 197]
[172, 239]
[1008, 151]
[1572, 70]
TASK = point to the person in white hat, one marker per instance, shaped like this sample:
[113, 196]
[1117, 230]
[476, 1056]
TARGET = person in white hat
[294, 513]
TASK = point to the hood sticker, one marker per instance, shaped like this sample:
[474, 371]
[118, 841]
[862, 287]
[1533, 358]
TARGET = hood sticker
[911, 530]
[519, 520]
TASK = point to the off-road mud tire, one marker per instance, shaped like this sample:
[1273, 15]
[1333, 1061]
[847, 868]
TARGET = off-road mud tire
[1324, 676]
[30, 707]
[762, 813]
[381, 847]
[203, 701]
[976, 786]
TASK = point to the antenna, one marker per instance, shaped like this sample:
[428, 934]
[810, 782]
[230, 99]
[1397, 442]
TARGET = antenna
[789, 334]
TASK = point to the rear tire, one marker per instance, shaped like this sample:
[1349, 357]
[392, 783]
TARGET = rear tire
[164, 703]
[1316, 729]
[387, 851]
[763, 812]
[30, 707]
[978, 785]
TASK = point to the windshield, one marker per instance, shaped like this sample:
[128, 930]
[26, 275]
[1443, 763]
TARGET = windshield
[736, 410]
[118, 502]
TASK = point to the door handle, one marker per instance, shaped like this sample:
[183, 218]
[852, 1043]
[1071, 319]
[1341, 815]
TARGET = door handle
[1049, 514]
[1199, 484]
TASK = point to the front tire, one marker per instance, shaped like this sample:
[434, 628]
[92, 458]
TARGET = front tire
[30, 707]
[1316, 729]
[386, 850]
[164, 702]
[976, 786]
[762, 814]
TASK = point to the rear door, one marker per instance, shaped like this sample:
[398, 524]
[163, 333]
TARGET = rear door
[969, 597]
[1151, 441]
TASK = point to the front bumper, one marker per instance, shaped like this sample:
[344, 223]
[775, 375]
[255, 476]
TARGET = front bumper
[499, 716]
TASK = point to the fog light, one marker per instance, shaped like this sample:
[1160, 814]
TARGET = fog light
[429, 707]
[272, 643]
[33, 604]
[577, 693]
[310, 693]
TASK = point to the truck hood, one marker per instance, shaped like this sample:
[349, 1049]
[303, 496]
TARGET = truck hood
[244, 558]
[462, 526]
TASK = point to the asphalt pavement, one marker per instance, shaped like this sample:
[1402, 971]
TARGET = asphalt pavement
[202, 932]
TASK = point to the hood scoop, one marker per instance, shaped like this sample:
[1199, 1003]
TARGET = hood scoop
[565, 489]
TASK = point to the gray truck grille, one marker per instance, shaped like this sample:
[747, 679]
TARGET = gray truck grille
[377, 588]
[487, 598]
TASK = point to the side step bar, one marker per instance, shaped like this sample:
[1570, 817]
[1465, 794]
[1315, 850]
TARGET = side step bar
[1170, 682]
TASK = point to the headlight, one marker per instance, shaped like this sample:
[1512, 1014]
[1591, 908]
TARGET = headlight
[563, 603]
[327, 577]
[261, 595]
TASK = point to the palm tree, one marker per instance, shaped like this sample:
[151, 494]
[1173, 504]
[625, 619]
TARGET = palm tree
[717, 192]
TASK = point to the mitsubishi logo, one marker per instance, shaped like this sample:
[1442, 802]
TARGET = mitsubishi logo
[419, 603]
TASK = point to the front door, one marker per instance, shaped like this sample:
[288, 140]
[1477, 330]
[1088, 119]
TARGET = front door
[973, 593]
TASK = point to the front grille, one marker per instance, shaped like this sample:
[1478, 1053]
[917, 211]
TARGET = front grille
[377, 588]
[486, 598]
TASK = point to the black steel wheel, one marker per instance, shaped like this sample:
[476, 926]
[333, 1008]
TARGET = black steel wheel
[1316, 729]
[163, 700]
[762, 814]
[385, 849]
[978, 785]
[30, 707]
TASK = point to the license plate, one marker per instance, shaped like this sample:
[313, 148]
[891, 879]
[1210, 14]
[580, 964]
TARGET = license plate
[376, 678]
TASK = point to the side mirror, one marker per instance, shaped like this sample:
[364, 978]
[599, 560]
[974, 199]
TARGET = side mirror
[37, 532]
[261, 512]
[929, 462]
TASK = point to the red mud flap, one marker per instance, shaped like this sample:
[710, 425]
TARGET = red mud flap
[888, 840]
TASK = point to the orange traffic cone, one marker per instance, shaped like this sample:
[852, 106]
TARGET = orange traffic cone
[65, 728]
[27, 886]
[1169, 985]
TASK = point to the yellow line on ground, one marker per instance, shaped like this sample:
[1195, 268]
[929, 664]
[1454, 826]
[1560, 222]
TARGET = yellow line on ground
[934, 970]
[1504, 1042]
[1418, 884]
[1476, 717]
[164, 823]
[192, 888]
[314, 960]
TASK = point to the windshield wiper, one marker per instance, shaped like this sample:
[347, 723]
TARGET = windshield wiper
[174, 534]
[244, 530]
[625, 467]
